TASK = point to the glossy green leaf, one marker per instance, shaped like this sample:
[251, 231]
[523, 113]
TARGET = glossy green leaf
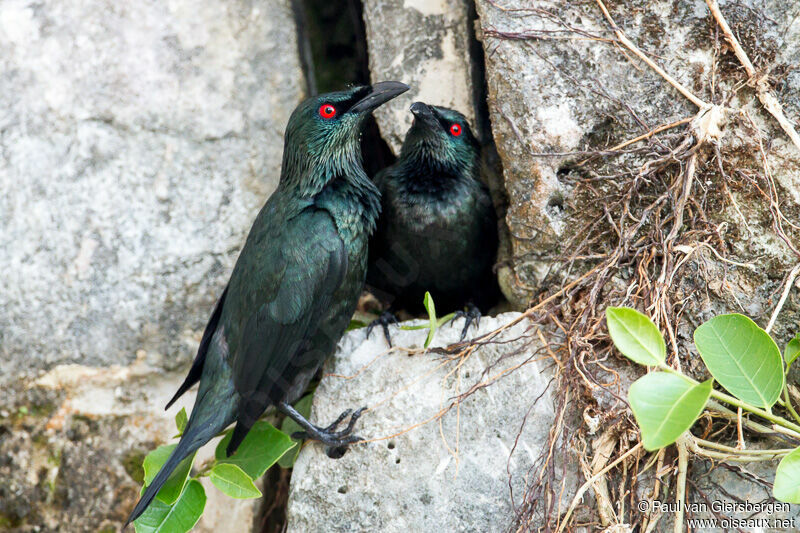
[791, 351]
[787, 478]
[666, 405]
[260, 449]
[180, 420]
[635, 336]
[177, 518]
[431, 308]
[742, 357]
[232, 480]
[154, 460]
[289, 426]
[174, 485]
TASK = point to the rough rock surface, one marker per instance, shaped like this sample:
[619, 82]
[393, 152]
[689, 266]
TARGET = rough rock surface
[557, 84]
[561, 88]
[750, 484]
[426, 44]
[72, 444]
[448, 475]
[138, 141]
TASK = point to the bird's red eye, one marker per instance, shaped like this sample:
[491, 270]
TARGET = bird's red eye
[327, 111]
[455, 129]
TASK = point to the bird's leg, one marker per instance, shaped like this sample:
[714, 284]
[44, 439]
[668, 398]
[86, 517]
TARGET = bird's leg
[472, 314]
[336, 440]
[386, 318]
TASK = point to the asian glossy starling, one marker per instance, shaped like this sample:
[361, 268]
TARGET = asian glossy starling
[295, 285]
[438, 228]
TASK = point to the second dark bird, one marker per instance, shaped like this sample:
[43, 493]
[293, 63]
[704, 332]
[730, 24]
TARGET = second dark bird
[295, 285]
[438, 227]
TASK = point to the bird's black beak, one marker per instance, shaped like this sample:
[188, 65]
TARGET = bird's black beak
[425, 114]
[378, 94]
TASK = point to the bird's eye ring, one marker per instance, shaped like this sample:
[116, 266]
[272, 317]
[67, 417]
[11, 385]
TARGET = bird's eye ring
[455, 130]
[327, 111]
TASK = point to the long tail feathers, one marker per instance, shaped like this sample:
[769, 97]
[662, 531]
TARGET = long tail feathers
[191, 441]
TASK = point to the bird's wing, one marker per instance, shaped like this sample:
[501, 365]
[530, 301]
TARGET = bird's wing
[197, 366]
[309, 265]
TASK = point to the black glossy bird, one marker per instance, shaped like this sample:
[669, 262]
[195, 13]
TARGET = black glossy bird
[438, 228]
[295, 285]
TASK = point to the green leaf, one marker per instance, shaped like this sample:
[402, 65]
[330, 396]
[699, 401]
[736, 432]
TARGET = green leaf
[154, 460]
[792, 351]
[174, 485]
[787, 478]
[355, 324]
[635, 336]
[177, 518]
[232, 480]
[742, 357]
[666, 405]
[260, 449]
[180, 420]
[289, 426]
[431, 308]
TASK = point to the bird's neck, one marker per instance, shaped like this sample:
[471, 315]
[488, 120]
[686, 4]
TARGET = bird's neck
[337, 183]
[353, 201]
[306, 174]
[423, 172]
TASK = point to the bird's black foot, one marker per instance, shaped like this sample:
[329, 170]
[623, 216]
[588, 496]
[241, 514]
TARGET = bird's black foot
[387, 318]
[336, 441]
[472, 314]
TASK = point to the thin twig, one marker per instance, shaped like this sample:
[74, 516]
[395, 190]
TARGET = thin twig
[590, 482]
[768, 100]
[739, 433]
[786, 289]
[683, 467]
[735, 451]
[659, 129]
[688, 180]
[633, 48]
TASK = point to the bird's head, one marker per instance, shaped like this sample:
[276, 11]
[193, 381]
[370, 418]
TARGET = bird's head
[322, 137]
[441, 137]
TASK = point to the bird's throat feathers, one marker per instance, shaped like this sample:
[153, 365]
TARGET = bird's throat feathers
[331, 177]
[430, 166]
[308, 167]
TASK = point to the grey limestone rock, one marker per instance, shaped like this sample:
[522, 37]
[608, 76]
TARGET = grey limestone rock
[138, 141]
[448, 475]
[426, 44]
[559, 86]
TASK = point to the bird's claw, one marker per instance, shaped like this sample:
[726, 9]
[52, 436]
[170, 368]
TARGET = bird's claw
[384, 321]
[336, 441]
[472, 314]
[338, 421]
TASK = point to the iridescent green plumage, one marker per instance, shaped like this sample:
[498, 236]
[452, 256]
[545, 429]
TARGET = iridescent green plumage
[296, 282]
[438, 228]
